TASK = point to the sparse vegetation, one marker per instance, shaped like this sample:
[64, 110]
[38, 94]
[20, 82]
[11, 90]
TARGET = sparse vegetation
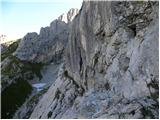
[107, 86]
[67, 75]
[15, 72]
[35, 98]
[32, 102]
[57, 94]
[146, 112]
[16, 66]
[9, 50]
[14, 96]
[49, 114]
[34, 67]
[154, 95]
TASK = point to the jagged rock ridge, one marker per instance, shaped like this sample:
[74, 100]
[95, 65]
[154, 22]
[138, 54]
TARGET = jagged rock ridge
[69, 16]
[49, 44]
[27, 61]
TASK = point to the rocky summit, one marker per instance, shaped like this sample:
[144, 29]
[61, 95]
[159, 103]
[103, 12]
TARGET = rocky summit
[49, 44]
[99, 62]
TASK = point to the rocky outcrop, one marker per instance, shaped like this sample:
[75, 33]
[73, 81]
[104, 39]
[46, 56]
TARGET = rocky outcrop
[59, 97]
[27, 108]
[49, 44]
[3, 47]
[15, 80]
[67, 18]
[26, 61]
[8, 48]
[111, 64]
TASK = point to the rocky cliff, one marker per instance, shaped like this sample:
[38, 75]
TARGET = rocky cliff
[111, 64]
[49, 44]
[67, 18]
[32, 61]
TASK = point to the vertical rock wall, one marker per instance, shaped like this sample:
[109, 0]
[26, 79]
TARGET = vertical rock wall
[111, 64]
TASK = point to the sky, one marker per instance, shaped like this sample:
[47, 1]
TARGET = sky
[18, 17]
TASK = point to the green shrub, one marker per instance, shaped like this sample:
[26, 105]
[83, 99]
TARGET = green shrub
[49, 114]
[14, 96]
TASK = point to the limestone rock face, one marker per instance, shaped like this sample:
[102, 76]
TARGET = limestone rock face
[108, 49]
[49, 44]
[59, 97]
[69, 16]
[111, 64]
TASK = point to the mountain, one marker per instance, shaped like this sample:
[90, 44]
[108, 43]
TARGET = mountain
[29, 62]
[49, 44]
[97, 62]
[69, 16]
[111, 64]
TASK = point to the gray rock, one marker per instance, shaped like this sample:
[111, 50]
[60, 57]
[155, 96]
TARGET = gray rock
[111, 64]
[69, 16]
[49, 45]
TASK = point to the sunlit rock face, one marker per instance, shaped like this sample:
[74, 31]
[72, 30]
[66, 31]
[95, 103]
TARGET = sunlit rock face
[49, 44]
[30, 61]
[114, 43]
[111, 64]
[69, 16]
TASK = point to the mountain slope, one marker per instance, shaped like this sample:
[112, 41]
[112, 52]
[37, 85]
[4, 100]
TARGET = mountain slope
[49, 44]
[32, 60]
[111, 64]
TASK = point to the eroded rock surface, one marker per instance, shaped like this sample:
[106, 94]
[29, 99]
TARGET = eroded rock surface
[69, 16]
[34, 59]
[47, 46]
[111, 64]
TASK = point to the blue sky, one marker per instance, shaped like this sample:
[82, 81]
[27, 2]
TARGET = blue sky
[21, 16]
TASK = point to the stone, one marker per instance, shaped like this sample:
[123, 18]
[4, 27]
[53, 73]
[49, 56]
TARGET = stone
[109, 55]
[49, 44]
[69, 16]
[113, 60]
